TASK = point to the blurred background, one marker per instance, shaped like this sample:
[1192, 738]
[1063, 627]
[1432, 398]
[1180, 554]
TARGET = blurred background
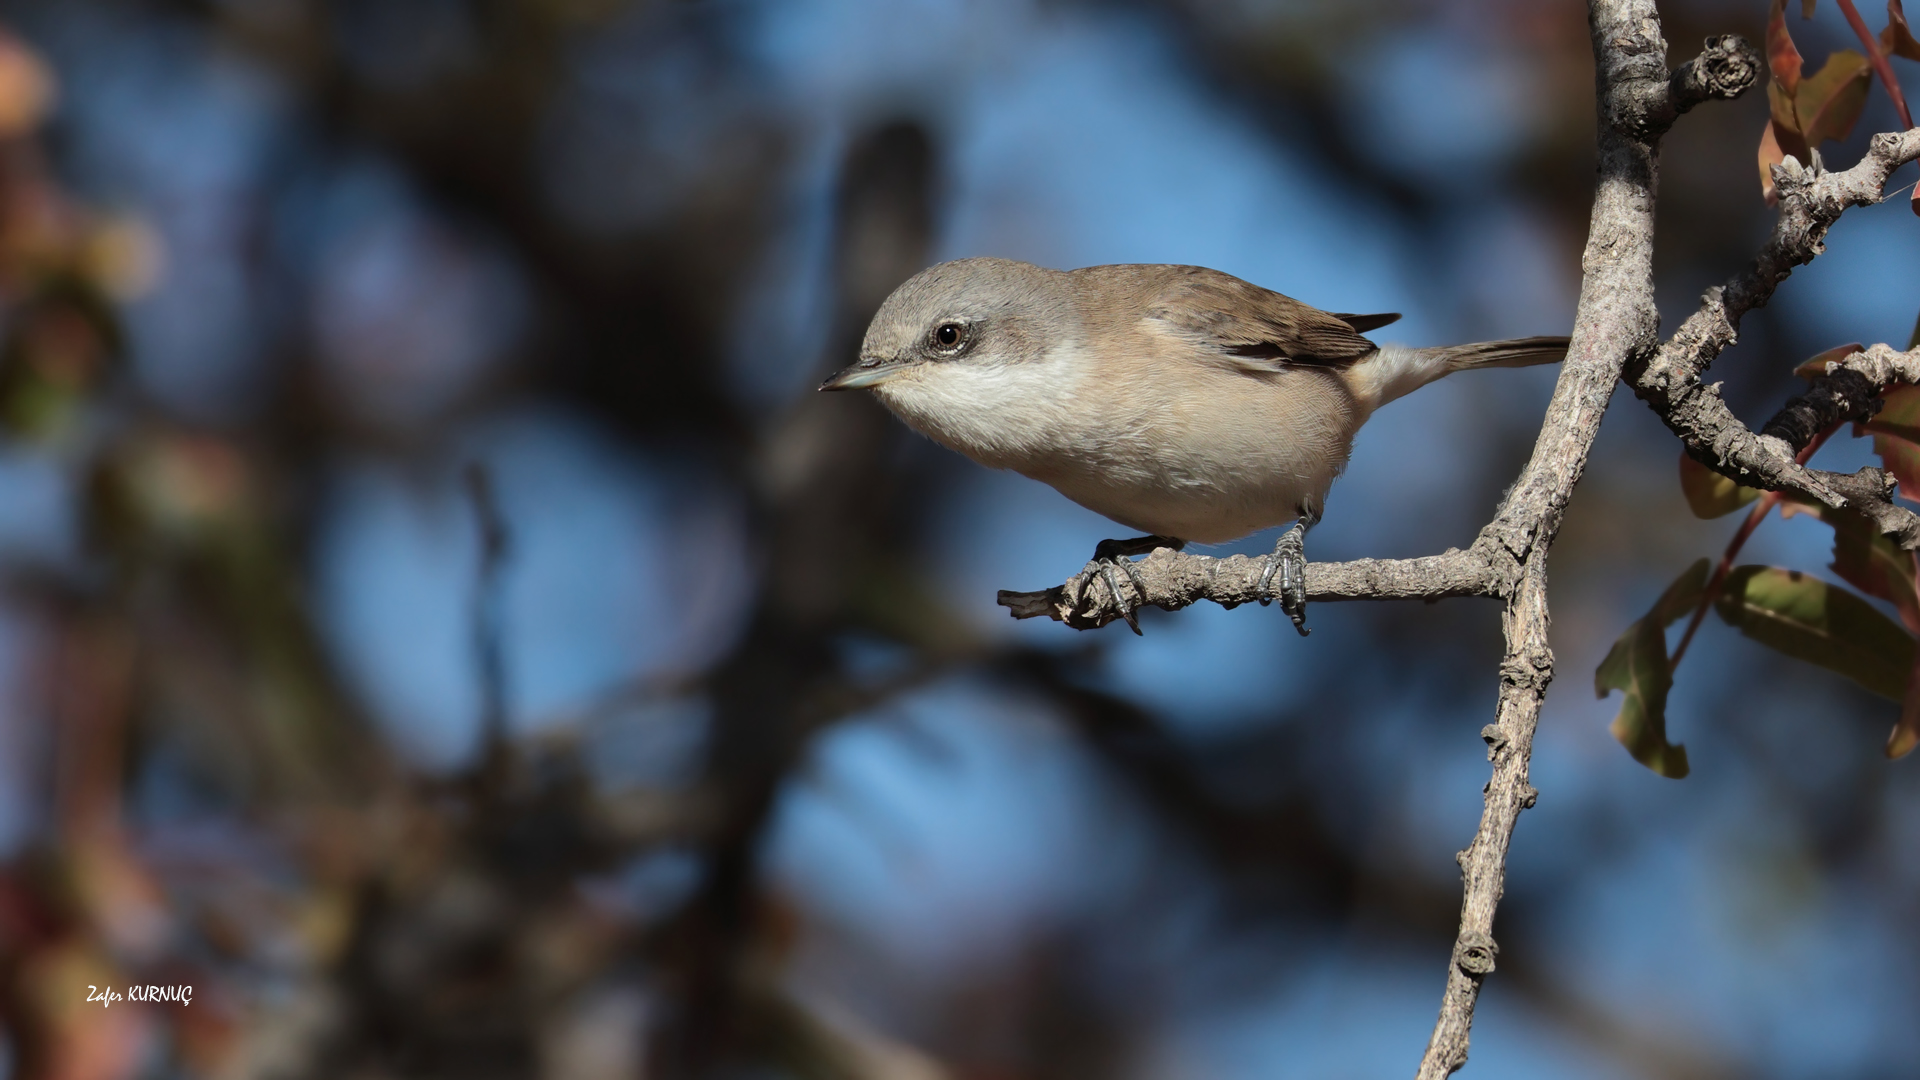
[439, 623]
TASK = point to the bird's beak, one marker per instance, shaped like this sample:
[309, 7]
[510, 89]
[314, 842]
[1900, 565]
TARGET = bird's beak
[864, 372]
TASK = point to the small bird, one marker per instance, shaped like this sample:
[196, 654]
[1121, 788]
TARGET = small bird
[1179, 401]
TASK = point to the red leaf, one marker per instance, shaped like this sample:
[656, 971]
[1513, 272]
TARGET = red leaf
[1783, 59]
[1770, 156]
[1902, 406]
[1902, 459]
[1818, 365]
[1896, 437]
[1899, 455]
[1868, 560]
[1897, 38]
[1786, 120]
[1878, 58]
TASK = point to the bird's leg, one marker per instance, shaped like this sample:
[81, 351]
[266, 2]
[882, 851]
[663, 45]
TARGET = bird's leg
[1290, 559]
[1112, 553]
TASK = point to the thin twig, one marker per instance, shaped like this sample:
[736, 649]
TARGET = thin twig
[1879, 60]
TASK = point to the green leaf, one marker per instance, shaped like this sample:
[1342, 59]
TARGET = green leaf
[1638, 666]
[1710, 495]
[1823, 624]
[1867, 559]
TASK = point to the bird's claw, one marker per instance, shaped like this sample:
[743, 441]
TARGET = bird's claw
[1106, 563]
[1115, 553]
[1113, 586]
[1289, 559]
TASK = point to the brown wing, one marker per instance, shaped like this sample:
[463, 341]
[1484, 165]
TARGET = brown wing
[1257, 329]
[1364, 323]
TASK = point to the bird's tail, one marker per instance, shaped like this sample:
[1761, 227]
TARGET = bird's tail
[1396, 370]
[1514, 352]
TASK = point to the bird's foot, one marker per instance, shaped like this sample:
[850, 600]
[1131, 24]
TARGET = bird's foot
[1289, 559]
[1112, 554]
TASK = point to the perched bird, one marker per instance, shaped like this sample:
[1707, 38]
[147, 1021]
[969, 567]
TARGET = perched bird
[1177, 400]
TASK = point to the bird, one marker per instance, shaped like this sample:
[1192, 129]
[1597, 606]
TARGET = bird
[1179, 401]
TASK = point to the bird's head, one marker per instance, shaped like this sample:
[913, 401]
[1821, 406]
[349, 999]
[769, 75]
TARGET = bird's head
[955, 318]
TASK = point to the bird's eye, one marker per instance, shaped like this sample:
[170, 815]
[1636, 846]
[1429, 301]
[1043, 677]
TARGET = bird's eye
[949, 335]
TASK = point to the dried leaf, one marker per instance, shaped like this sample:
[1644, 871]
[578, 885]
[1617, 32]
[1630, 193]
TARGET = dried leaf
[1638, 666]
[1823, 624]
[1806, 8]
[1817, 366]
[1897, 38]
[1710, 495]
[1829, 101]
[1783, 59]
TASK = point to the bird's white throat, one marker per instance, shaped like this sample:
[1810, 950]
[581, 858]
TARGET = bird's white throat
[999, 413]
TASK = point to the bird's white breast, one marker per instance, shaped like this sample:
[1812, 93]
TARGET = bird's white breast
[1162, 443]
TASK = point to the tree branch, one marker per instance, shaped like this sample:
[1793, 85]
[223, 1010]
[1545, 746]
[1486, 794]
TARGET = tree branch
[1615, 330]
[1175, 580]
[1616, 325]
[1726, 67]
[1810, 202]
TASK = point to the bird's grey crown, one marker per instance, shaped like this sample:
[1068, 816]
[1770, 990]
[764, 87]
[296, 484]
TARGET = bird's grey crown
[1006, 307]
